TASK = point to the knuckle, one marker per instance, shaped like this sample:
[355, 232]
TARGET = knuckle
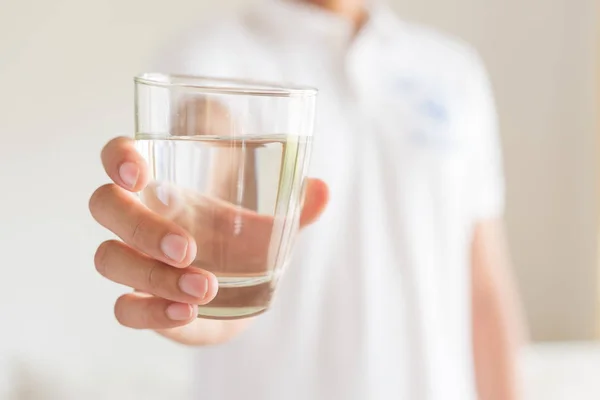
[153, 318]
[120, 310]
[153, 280]
[139, 231]
[140, 314]
[99, 197]
[114, 145]
[153, 315]
[102, 256]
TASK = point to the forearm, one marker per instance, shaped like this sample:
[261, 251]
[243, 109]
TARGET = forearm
[496, 345]
[499, 330]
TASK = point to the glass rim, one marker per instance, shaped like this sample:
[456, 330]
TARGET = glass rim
[233, 86]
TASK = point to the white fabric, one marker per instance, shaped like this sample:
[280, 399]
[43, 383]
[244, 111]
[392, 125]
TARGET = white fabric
[376, 302]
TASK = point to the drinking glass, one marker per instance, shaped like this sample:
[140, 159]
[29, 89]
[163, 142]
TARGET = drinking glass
[228, 162]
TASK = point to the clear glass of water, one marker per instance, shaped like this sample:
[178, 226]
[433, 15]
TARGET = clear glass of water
[228, 162]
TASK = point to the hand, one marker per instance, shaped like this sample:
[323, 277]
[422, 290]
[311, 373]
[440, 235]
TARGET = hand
[156, 253]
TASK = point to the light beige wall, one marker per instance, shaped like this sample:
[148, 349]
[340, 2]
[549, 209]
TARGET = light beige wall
[66, 70]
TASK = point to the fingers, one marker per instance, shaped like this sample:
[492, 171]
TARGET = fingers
[141, 311]
[202, 115]
[315, 201]
[122, 264]
[124, 165]
[167, 199]
[143, 229]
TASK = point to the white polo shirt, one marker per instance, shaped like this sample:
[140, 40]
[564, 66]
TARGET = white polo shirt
[376, 302]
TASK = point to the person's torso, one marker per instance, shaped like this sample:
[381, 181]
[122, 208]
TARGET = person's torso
[375, 303]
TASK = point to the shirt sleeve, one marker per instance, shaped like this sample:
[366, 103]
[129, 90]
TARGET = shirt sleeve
[488, 187]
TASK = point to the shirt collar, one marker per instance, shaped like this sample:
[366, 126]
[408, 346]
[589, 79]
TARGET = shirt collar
[301, 17]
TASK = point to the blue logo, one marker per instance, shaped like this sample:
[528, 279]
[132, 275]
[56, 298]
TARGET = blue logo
[429, 111]
[435, 111]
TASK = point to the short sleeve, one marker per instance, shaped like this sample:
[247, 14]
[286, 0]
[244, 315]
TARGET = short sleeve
[481, 121]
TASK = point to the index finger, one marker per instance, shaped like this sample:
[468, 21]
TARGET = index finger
[124, 165]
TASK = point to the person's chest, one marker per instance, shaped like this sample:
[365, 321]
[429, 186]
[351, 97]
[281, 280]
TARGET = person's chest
[380, 119]
[388, 124]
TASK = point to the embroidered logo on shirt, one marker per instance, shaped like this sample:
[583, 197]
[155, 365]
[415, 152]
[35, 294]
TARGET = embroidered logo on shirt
[429, 111]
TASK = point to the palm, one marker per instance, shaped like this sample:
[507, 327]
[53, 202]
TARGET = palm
[207, 331]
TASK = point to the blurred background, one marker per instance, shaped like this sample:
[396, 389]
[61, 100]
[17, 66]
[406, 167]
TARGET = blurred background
[66, 70]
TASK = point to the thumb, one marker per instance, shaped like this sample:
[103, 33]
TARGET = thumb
[315, 201]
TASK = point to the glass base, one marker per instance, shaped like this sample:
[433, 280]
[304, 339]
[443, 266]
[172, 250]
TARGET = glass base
[229, 312]
[239, 297]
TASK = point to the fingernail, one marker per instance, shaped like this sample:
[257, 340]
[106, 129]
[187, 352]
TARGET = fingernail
[174, 247]
[162, 193]
[194, 284]
[179, 312]
[129, 173]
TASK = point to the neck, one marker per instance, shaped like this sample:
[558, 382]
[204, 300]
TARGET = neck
[354, 10]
